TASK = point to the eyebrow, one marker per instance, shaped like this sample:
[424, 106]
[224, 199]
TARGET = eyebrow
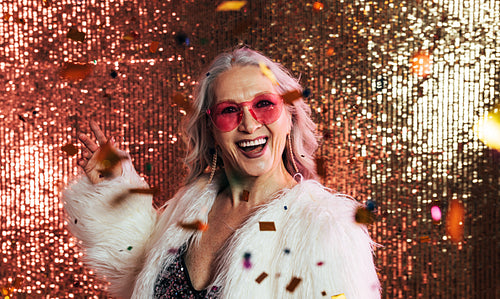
[256, 95]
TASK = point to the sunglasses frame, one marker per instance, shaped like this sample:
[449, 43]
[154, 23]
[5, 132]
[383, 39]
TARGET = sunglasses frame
[279, 104]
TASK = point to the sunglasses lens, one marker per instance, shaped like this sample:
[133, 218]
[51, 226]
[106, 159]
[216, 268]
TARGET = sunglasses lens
[265, 108]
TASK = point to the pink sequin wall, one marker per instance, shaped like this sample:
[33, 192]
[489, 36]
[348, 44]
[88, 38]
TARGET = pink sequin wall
[396, 90]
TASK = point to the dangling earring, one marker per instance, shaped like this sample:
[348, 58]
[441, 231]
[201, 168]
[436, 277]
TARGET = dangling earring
[213, 166]
[291, 154]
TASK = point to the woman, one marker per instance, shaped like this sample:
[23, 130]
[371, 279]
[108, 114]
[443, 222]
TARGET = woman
[271, 230]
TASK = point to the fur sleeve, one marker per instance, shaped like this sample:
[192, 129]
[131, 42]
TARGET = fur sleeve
[344, 256]
[112, 226]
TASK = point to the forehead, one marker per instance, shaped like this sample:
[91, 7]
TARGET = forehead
[242, 83]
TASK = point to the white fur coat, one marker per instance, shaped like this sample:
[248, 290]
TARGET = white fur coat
[316, 240]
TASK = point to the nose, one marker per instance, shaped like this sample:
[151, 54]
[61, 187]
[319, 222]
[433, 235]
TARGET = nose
[248, 123]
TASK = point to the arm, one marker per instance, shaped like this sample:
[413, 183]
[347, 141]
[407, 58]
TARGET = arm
[111, 224]
[346, 248]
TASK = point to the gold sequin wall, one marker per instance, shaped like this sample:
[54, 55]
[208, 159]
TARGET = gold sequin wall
[396, 90]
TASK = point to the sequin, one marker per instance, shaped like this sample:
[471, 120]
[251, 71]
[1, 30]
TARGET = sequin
[174, 282]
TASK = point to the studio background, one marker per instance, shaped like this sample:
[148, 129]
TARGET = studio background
[396, 88]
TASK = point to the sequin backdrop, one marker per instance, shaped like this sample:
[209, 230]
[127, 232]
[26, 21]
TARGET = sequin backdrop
[394, 133]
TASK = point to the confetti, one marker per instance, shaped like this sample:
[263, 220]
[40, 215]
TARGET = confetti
[131, 36]
[148, 168]
[154, 47]
[261, 277]
[75, 35]
[436, 213]
[70, 149]
[75, 71]
[318, 6]
[425, 239]
[454, 220]
[286, 251]
[76, 221]
[321, 166]
[267, 226]
[320, 264]
[180, 100]
[195, 225]
[246, 195]
[330, 52]
[291, 96]
[246, 260]
[18, 282]
[370, 205]
[231, 5]
[292, 285]
[267, 72]
[306, 92]
[364, 216]
[323, 293]
[421, 63]
[113, 74]
[144, 190]
[487, 128]
[129, 248]
[181, 38]
[339, 296]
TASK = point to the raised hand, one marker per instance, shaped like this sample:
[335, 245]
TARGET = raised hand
[101, 160]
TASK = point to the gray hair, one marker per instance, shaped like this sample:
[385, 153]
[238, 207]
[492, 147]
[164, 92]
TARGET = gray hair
[199, 137]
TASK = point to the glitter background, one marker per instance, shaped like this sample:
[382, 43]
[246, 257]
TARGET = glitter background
[392, 135]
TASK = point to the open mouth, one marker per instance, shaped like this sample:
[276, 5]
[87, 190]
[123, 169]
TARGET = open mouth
[253, 146]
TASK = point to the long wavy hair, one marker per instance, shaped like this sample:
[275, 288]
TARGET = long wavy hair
[198, 128]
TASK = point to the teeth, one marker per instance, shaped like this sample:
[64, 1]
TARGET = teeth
[252, 143]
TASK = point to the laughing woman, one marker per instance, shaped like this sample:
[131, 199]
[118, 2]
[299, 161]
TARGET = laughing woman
[272, 231]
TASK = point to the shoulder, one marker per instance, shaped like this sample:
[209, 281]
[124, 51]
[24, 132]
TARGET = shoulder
[319, 203]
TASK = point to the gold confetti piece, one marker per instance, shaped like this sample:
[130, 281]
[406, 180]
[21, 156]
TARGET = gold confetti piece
[131, 36]
[261, 277]
[339, 296]
[75, 35]
[154, 47]
[291, 96]
[487, 128]
[231, 5]
[454, 221]
[195, 225]
[364, 216]
[330, 52]
[109, 158]
[246, 195]
[108, 155]
[292, 285]
[267, 226]
[144, 190]
[267, 72]
[76, 71]
[70, 149]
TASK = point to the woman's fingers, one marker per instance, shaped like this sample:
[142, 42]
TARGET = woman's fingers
[89, 143]
[98, 133]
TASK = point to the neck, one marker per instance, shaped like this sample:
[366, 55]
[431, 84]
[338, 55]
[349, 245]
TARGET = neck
[259, 188]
